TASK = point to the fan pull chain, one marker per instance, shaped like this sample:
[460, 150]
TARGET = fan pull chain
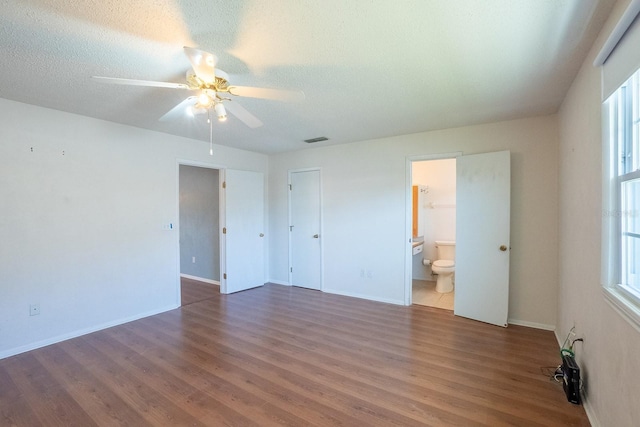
[210, 132]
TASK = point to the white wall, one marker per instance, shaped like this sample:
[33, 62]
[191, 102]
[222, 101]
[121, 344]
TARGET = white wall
[82, 218]
[364, 195]
[609, 355]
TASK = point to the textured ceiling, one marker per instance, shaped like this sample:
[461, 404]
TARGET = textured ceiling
[369, 68]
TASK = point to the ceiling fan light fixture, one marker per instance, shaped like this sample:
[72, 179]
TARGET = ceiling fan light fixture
[221, 112]
[204, 100]
[209, 85]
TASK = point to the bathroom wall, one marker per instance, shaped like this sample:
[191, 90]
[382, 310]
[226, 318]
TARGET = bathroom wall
[439, 213]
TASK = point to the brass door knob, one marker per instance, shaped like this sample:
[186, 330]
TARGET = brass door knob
[503, 248]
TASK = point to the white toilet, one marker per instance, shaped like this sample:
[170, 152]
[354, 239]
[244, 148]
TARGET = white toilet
[445, 266]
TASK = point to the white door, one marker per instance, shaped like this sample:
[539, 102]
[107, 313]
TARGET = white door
[304, 229]
[483, 206]
[243, 231]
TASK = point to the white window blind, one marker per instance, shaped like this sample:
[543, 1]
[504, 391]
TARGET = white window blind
[620, 55]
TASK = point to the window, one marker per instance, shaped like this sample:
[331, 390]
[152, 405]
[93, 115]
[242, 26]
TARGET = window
[622, 121]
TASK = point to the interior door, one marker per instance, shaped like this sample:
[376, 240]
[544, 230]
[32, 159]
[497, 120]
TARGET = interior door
[243, 231]
[483, 200]
[304, 229]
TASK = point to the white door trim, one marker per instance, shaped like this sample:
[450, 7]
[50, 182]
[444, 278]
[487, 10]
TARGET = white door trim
[290, 260]
[223, 223]
[408, 254]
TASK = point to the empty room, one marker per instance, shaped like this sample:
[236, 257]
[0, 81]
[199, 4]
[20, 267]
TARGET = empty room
[221, 212]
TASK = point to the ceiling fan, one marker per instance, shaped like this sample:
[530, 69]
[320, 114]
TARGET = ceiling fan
[214, 90]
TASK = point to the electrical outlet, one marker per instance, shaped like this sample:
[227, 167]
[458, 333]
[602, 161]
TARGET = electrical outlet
[193, 259]
[34, 309]
[362, 273]
[369, 274]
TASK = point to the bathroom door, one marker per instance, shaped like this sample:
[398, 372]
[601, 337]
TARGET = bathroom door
[242, 251]
[304, 229]
[483, 199]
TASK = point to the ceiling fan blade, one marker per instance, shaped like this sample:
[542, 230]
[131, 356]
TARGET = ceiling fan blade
[203, 63]
[132, 82]
[181, 110]
[243, 115]
[264, 93]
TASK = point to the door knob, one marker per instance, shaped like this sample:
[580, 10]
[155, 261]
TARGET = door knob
[503, 248]
[261, 234]
[315, 236]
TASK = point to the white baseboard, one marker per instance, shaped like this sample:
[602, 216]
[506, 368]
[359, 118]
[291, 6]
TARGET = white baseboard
[590, 414]
[558, 339]
[80, 332]
[346, 294]
[367, 297]
[534, 325]
[200, 279]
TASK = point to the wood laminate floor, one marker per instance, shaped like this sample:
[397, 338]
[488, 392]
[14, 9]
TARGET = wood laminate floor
[195, 291]
[289, 356]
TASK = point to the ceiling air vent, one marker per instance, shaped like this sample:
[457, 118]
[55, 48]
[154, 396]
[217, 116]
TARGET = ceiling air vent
[318, 139]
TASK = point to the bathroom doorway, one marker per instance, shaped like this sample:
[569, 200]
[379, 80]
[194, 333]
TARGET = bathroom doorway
[433, 184]
[480, 273]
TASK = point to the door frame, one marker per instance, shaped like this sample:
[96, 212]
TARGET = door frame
[408, 233]
[221, 207]
[321, 226]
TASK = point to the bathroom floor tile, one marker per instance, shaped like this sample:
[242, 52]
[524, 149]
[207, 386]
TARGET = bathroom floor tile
[424, 293]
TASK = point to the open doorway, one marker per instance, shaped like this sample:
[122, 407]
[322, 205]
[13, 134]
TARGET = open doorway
[480, 273]
[433, 232]
[199, 226]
